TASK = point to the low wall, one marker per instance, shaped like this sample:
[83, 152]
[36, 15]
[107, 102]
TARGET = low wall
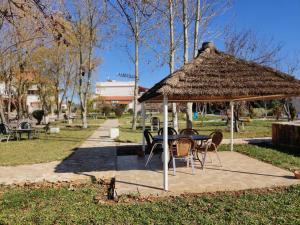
[286, 134]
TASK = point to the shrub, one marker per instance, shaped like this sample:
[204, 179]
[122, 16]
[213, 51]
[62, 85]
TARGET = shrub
[130, 111]
[119, 110]
[38, 115]
[258, 112]
[106, 109]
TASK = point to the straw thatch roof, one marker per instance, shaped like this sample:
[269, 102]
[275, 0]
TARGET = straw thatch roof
[217, 76]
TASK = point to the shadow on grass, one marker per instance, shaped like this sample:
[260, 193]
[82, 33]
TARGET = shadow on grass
[289, 150]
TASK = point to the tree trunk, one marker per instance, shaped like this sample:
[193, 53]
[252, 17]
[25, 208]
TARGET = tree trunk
[2, 115]
[236, 119]
[80, 91]
[9, 97]
[189, 110]
[136, 76]
[172, 59]
[57, 99]
[286, 107]
[196, 32]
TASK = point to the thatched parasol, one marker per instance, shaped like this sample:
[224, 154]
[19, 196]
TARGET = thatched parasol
[217, 76]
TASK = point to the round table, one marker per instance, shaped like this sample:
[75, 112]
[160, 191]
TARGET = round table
[195, 137]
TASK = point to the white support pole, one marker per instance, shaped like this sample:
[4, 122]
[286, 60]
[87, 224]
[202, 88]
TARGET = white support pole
[231, 124]
[143, 124]
[165, 143]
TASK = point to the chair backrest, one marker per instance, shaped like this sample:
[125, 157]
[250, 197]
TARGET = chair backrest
[148, 137]
[24, 125]
[183, 147]
[154, 121]
[4, 129]
[171, 131]
[216, 137]
[188, 131]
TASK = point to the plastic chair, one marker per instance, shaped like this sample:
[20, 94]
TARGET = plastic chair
[171, 131]
[182, 150]
[5, 132]
[24, 125]
[151, 145]
[210, 146]
[188, 131]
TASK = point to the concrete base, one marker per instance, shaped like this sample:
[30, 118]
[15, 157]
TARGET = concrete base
[239, 172]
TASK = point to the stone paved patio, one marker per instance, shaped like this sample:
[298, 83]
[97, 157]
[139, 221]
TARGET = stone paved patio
[239, 172]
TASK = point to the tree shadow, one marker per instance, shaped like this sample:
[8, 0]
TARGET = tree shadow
[108, 158]
[91, 159]
[294, 151]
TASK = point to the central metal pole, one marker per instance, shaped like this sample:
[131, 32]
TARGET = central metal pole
[143, 124]
[231, 124]
[165, 144]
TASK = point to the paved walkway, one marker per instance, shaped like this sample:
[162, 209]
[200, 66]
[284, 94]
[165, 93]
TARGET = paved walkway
[96, 157]
[238, 172]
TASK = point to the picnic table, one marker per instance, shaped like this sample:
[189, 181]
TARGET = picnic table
[20, 131]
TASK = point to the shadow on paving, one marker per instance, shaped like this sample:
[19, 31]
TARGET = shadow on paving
[93, 159]
[89, 159]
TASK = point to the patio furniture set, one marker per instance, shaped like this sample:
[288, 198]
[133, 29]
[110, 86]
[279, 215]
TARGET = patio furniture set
[9, 132]
[188, 145]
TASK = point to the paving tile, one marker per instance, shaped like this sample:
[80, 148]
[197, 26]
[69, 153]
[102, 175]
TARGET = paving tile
[238, 172]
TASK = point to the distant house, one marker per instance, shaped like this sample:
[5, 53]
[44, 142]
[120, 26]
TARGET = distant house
[32, 99]
[117, 92]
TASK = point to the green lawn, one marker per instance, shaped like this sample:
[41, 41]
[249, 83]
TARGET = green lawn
[256, 128]
[286, 158]
[81, 206]
[45, 149]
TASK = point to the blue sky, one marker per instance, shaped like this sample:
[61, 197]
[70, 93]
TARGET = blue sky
[277, 19]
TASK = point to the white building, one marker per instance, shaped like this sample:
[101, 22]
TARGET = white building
[117, 92]
[33, 100]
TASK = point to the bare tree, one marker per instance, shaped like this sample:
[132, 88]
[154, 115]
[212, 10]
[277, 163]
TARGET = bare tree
[89, 15]
[247, 45]
[136, 15]
[189, 109]
[172, 59]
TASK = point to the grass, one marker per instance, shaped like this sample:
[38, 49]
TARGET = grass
[45, 149]
[80, 206]
[286, 158]
[256, 128]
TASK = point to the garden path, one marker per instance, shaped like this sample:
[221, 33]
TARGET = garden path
[96, 157]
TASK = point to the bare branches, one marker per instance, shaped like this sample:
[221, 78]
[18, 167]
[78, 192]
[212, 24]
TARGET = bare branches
[247, 45]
